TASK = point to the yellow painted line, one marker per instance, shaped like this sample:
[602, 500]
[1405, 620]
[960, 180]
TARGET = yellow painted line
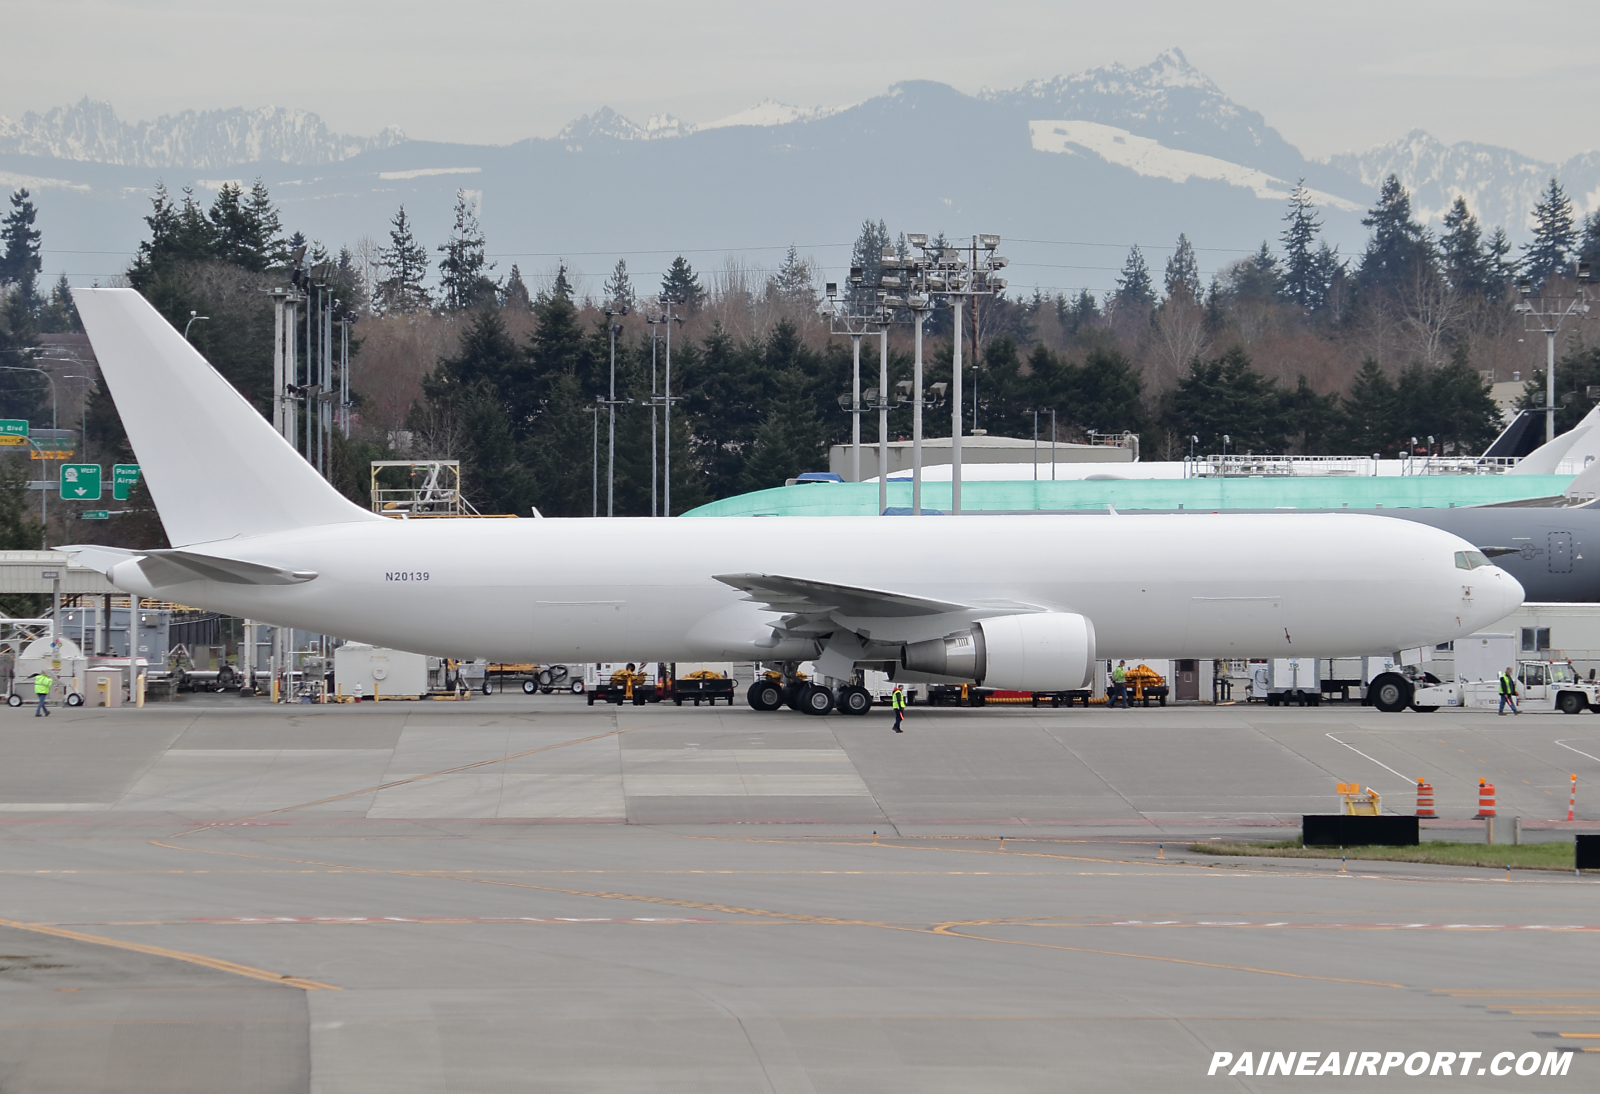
[1588, 1036]
[1171, 960]
[795, 917]
[177, 955]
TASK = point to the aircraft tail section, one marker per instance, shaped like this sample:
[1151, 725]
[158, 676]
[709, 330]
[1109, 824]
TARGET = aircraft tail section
[216, 468]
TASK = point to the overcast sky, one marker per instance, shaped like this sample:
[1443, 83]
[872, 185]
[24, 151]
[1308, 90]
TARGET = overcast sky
[1330, 77]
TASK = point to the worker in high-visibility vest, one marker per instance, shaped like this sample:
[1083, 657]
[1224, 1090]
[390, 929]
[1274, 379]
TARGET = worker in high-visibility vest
[41, 688]
[1508, 692]
[1119, 684]
[897, 701]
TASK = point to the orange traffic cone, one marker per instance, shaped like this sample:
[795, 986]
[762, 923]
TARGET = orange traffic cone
[1485, 798]
[1425, 799]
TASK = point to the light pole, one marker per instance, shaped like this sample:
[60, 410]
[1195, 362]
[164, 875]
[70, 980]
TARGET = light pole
[655, 473]
[1548, 318]
[849, 317]
[943, 271]
[594, 484]
[194, 317]
[611, 441]
[668, 299]
[83, 409]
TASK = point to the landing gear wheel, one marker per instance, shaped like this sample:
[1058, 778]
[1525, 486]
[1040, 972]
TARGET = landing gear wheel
[1570, 702]
[75, 700]
[13, 700]
[1390, 693]
[855, 700]
[529, 687]
[764, 695]
[792, 694]
[816, 699]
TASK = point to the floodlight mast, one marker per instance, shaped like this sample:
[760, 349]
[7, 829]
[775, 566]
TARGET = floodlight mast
[1547, 318]
[848, 317]
[943, 271]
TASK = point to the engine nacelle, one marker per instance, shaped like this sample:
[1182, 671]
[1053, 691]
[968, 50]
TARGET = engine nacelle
[1046, 651]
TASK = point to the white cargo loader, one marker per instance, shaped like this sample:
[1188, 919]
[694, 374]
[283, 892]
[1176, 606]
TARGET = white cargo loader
[1542, 685]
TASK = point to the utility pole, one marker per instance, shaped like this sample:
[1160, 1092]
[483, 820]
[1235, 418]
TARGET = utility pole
[955, 410]
[919, 310]
[655, 472]
[668, 299]
[883, 415]
[1547, 316]
[611, 441]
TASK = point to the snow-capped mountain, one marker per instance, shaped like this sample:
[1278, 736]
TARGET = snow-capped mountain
[1103, 159]
[1501, 186]
[90, 131]
[607, 123]
[1167, 100]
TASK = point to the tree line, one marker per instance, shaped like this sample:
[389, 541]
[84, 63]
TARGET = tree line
[456, 360]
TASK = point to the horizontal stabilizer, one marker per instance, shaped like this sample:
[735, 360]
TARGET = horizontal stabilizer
[176, 567]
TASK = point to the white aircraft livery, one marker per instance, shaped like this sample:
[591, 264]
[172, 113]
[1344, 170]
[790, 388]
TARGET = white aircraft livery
[1011, 602]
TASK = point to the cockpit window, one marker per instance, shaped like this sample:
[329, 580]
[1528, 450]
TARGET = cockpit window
[1471, 560]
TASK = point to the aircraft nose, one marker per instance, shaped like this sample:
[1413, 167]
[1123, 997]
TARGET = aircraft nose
[1510, 593]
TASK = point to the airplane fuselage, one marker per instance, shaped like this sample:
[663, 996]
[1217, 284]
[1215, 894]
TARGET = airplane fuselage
[601, 590]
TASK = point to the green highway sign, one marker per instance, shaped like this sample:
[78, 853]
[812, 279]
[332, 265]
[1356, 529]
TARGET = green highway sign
[80, 482]
[13, 427]
[123, 476]
[95, 514]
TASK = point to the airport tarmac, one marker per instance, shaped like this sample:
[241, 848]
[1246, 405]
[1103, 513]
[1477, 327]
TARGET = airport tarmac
[528, 893]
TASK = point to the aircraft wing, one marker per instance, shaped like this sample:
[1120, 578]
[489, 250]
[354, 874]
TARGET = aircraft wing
[797, 594]
[815, 609]
[174, 566]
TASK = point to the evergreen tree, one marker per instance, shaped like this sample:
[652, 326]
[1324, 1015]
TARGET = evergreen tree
[682, 281]
[1502, 267]
[243, 230]
[267, 227]
[793, 281]
[868, 254]
[20, 264]
[1226, 397]
[1133, 283]
[1554, 236]
[1183, 272]
[1304, 278]
[1398, 251]
[1256, 277]
[1576, 372]
[789, 439]
[464, 280]
[561, 288]
[619, 286]
[1461, 253]
[1310, 420]
[59, 316]
[1589, 245]
[515, 294]
[1371, 414]
[1451, 403]
[405, 261]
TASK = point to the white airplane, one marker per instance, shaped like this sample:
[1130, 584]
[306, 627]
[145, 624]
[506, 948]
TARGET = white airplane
[1013, 603]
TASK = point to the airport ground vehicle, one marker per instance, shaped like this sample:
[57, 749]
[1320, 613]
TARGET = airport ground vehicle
[702, 685]
[1543, 685]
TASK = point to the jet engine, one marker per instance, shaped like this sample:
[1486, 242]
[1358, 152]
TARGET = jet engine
[1048, 651]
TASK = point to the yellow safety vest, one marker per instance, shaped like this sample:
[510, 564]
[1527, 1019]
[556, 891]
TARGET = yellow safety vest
[898, 700]
[41, 684]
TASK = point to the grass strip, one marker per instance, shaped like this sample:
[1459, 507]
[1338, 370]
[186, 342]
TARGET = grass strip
[1527, 856]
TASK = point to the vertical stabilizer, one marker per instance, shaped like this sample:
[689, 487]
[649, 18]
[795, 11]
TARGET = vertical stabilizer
[215, 467]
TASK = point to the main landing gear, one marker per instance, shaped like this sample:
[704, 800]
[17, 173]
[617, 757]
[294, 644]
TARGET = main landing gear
[806, 696]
